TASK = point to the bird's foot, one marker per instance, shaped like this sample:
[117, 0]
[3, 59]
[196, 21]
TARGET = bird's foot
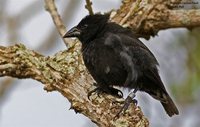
[108, 90]
[115, 92]
[130, 99]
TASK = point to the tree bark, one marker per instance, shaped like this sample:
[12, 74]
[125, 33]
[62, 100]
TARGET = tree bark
[146, 18]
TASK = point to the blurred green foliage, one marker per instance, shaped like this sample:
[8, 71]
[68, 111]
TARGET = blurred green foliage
[188, 90]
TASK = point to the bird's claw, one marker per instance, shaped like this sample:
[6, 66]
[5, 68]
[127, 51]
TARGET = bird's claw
[116, 92]
[127, 102]
[107, 90]
[93, 91]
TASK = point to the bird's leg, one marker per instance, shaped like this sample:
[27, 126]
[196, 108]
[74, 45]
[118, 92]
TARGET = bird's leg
[106, 89]
[130, 99]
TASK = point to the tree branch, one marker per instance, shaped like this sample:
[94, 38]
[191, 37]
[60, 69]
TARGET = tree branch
[147, 18]
[65, 73]
[88, 6]
[183, 18]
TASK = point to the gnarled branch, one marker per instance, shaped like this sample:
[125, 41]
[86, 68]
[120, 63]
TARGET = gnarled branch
[65, 72]
[146, 18]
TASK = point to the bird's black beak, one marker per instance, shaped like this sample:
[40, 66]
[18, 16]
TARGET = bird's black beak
[73, 32]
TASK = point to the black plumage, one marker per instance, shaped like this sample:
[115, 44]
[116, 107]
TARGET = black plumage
[115, 57]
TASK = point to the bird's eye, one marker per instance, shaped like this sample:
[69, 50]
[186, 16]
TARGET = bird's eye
[84, 26]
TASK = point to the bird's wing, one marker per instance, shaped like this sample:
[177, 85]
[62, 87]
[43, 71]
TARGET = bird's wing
[134, 55]
[116, 43]
[147, 64]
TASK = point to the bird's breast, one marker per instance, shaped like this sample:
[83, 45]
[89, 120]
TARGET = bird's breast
[104, 66]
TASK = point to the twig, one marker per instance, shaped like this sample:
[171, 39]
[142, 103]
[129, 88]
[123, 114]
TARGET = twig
[51, 39]
[50, 6]
[88, 6]
[5, 85]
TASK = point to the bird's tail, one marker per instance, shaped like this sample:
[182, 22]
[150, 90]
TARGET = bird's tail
[157, 90]
[169, 106]
[166, 102]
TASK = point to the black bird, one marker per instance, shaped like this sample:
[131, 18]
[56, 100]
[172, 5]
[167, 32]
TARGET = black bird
[115, 57]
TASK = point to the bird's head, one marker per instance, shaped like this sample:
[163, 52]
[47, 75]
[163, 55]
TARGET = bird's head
[88, 27]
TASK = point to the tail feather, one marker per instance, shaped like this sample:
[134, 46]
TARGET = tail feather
[165, 100]
[156, 89]
[170, 107]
